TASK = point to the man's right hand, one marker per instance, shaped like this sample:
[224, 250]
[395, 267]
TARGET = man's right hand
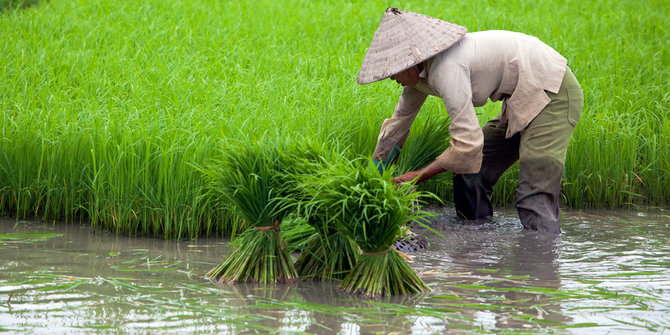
[421, 175]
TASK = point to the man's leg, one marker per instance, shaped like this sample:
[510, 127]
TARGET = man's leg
[543, 147]
[472, 192]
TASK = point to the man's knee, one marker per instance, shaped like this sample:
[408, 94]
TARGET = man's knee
[539, 174]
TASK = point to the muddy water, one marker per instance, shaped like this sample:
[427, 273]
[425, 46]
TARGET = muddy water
[609, 272]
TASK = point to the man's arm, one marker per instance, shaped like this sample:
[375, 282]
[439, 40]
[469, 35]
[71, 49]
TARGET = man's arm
[464, 154]
[429, 171]
[394, 131]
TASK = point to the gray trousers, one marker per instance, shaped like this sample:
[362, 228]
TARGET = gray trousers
[540, 150]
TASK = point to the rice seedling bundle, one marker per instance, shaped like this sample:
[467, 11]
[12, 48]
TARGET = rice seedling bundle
[248, 178]
[325, 252]
[296, 232]
[427, 140]
[371, 210]
[328, 254]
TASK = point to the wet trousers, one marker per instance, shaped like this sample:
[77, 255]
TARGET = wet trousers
[540, 149]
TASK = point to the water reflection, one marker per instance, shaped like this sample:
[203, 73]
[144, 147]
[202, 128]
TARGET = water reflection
[321, 307]
[607, 270]
[532, 255]
[621, 265]
[502, 264]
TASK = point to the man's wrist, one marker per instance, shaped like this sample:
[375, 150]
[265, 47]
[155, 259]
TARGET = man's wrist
[430, 170]
[390, 159]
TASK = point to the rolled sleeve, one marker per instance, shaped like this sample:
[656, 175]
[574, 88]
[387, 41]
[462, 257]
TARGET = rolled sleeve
[394, 131]
[452, 83]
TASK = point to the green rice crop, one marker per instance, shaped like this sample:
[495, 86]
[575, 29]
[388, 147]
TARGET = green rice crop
[249, 178]
[327, 254]
[427, 141]
[109, 107]
[369, 209]
[296, 232]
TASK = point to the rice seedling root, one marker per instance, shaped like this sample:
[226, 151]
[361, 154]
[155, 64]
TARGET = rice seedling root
[381, 274]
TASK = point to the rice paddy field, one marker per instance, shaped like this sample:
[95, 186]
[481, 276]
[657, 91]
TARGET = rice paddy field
[114, 114]
[108, 107]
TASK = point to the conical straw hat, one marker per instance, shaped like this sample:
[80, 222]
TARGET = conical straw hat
[403, 40]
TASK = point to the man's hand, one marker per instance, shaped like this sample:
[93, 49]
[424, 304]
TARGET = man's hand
[420, 175]
[407, 177]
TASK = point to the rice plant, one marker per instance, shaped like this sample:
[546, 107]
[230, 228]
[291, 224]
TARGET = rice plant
[427, 140]
[108, 106]
[325, 253]
[296, 232]
[328, 254]
[372, 211]
[247, 176]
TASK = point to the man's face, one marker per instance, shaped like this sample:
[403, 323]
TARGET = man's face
[409, 77]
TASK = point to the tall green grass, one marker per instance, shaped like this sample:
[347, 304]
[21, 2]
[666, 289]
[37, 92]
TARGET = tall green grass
[108, 107]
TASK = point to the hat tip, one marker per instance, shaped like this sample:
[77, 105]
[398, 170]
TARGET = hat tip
[393, 10]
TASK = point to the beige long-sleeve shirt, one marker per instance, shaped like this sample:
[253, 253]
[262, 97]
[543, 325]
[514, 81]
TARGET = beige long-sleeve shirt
[495, 65]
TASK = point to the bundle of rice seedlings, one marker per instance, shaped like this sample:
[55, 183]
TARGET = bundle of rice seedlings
[248, 177]
[328, 254]
[296, 232]
[371, 210]
[427, 140]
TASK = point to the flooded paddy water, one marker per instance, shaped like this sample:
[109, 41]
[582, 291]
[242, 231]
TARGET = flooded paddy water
[609, 272]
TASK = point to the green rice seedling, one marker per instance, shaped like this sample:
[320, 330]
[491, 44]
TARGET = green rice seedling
[372, 211]
[298, 158]
[105, 112]
[427, 140]
[325, 253]
[15, 5]
[247, 178]
[27, 237]
[328, 254]
[296, 232]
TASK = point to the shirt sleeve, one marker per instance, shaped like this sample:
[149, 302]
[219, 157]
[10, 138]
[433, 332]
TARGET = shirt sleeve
[394, 131]
[452, 83]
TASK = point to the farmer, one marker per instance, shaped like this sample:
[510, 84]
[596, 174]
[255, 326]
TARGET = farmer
[541, 104]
